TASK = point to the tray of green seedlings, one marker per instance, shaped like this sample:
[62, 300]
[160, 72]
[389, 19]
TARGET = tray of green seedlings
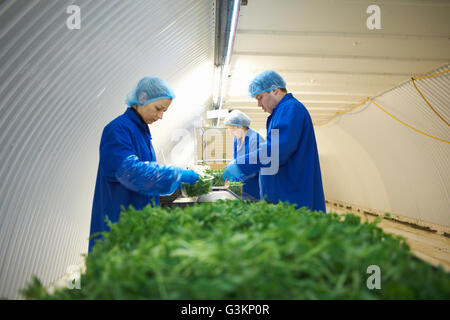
[201, 187]
[217, 175]
[235, 187]
[249, 251]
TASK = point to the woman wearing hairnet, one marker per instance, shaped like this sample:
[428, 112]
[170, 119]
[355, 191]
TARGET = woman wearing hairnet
[245, 141]
[128, 173]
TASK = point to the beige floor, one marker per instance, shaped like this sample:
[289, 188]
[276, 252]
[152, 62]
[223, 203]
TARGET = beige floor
[431, 247]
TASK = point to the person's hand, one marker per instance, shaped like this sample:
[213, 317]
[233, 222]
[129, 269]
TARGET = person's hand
[232, 173]
[189, 176]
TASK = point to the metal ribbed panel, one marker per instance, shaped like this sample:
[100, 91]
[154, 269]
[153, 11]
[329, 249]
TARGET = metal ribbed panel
[374, 161]
[58, 88]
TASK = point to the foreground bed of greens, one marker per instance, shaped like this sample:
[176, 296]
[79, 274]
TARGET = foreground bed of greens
[238, 250]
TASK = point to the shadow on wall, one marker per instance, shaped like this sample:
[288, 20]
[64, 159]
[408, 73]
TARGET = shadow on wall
[349, 173]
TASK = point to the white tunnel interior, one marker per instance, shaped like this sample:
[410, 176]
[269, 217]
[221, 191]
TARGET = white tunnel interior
[60, 86]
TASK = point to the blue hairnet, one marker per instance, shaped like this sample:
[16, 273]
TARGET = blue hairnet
[149, 89]
[237, 118]
[265, 81]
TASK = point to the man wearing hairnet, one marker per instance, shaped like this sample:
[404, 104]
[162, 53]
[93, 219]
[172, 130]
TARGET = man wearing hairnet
[245, 141]
[128, 173]
[298, 179]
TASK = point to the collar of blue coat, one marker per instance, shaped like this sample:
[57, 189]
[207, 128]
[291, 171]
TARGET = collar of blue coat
[133, 116]
[286, 97]
[248, 134]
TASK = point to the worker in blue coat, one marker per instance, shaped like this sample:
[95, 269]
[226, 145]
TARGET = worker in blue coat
[128, 173]
[245, 141]
[290, 147]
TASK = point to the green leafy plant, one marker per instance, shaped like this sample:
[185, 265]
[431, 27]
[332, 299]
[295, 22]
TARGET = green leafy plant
[202, 186]
[235, 187]
[238, 250]
[217, 175]
[388, 216]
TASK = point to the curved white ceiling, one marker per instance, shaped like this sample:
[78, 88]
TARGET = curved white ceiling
[329, 58]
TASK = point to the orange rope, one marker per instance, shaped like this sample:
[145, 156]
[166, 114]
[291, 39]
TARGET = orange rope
[432, 75]
[407, 125]
[344, 112]
[411, 127]
[431, 107]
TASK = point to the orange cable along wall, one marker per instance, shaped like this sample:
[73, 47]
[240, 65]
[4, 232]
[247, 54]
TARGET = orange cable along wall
[396, 161]
[394, 117]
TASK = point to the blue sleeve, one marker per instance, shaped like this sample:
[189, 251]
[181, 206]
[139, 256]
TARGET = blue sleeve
[290, 126]
[149, 178]
[119, 162]
[252, 156]
[253, 145]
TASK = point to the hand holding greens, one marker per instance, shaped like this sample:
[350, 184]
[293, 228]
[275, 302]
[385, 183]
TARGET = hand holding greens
[201, 187]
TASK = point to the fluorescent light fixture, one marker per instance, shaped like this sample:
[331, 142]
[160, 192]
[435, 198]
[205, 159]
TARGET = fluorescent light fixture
[232, 30]
[217, 84]
[221, 72]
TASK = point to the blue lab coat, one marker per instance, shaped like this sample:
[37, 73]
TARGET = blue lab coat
[250, 187]
[128, 173]
[298, 179]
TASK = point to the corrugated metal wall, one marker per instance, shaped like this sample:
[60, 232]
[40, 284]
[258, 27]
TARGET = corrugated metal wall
[370, 159]
[58, 89]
